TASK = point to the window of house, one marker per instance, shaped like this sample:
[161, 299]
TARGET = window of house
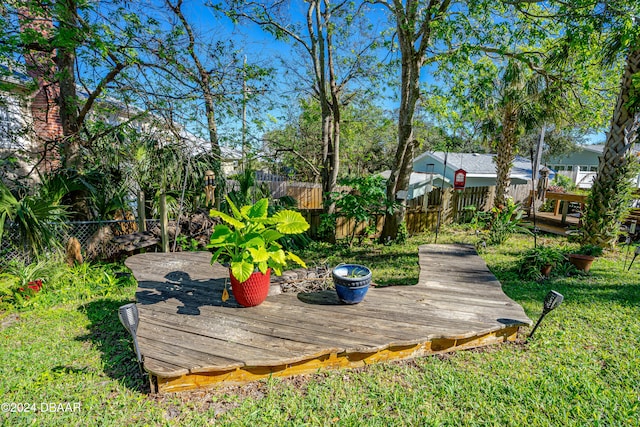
[5, 127]
[593, 168]
[569, 168]
[11, 123]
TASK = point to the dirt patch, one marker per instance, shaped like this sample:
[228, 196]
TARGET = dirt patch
[218, 400]
[8, 321]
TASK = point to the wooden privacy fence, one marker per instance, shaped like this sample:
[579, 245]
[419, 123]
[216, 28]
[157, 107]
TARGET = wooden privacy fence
[422, 212]
[307, 194]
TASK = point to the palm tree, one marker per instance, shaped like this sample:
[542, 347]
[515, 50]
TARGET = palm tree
[36, 219]
[607, 202]
[519, 101]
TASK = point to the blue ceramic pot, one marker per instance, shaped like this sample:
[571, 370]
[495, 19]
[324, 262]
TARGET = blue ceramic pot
[351, 294]
[353, 275]
[352, 282]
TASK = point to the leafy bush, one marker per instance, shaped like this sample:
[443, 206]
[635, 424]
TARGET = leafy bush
[403, 233]
[474, 218]
[505, 222]
[533, 260]
[35, 219]
[363, 203]
[590, 250]
[51, 281]
[327, 227]
[561, 183]
[187, 244]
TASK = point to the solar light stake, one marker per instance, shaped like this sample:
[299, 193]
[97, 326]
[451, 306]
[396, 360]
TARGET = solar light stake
[129, 318]
[635, 254]
[551, 301]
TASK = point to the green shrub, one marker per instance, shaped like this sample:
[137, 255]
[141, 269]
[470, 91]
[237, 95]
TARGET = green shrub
[562, 183]
[365, 201]
[35, 218]
[505, 222]
[403, 233]
[48, 282]
[533, 260]
[590, 250]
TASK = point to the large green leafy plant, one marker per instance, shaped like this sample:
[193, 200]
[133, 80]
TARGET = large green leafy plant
[35, 218]
[505, 222]
[249, 239]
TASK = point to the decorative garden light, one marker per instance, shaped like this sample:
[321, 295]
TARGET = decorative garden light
[636, 253]
[551, 302]
[209, 187]
[129, 318]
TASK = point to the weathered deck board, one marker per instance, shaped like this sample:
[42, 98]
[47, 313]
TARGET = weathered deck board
[190, 338]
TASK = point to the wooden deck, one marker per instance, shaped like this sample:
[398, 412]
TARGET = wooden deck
[551, 223]
[190, 339]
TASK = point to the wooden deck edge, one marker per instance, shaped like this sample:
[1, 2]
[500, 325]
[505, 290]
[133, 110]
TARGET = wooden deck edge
[247, 374]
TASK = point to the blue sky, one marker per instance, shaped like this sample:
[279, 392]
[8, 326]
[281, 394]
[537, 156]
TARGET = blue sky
[259, 47]
[263, 48]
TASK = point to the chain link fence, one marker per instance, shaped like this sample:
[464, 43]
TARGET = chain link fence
[87, 233]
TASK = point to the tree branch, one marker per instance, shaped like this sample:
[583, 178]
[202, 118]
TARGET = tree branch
[315, 170]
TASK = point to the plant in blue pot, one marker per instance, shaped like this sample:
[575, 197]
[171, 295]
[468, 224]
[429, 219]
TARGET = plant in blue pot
[352, 282]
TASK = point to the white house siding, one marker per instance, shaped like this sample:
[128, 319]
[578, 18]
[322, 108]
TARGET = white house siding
[14, 119]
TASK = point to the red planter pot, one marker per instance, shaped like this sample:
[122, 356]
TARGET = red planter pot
[252, 291]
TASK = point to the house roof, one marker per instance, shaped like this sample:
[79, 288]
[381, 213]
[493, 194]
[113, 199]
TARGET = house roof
[12, 75]
[416, 177]
[420, 183]
[479, 165]
[596, 148]
[599, 148]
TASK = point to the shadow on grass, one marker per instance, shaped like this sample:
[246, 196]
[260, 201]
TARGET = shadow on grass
[108, 335]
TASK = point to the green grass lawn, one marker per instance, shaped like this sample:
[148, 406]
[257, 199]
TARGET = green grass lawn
[581, 368]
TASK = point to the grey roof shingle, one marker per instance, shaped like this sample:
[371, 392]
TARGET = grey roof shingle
[475, 163]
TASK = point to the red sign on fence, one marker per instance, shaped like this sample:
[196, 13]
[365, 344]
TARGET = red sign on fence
[459, 179]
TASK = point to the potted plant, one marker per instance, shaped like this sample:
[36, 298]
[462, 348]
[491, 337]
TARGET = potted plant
[584, 256]
[352, 282]
[248, 243]
[536, 263]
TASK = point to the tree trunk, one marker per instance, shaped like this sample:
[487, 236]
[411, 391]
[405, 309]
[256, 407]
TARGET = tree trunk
[69, 111]
[403, 161]
[328, 182]
[65, 62]
[505, 154]
[204, 81]
[608, 201]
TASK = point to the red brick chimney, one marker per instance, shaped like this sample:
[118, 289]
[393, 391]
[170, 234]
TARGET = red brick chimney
[45, 109]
